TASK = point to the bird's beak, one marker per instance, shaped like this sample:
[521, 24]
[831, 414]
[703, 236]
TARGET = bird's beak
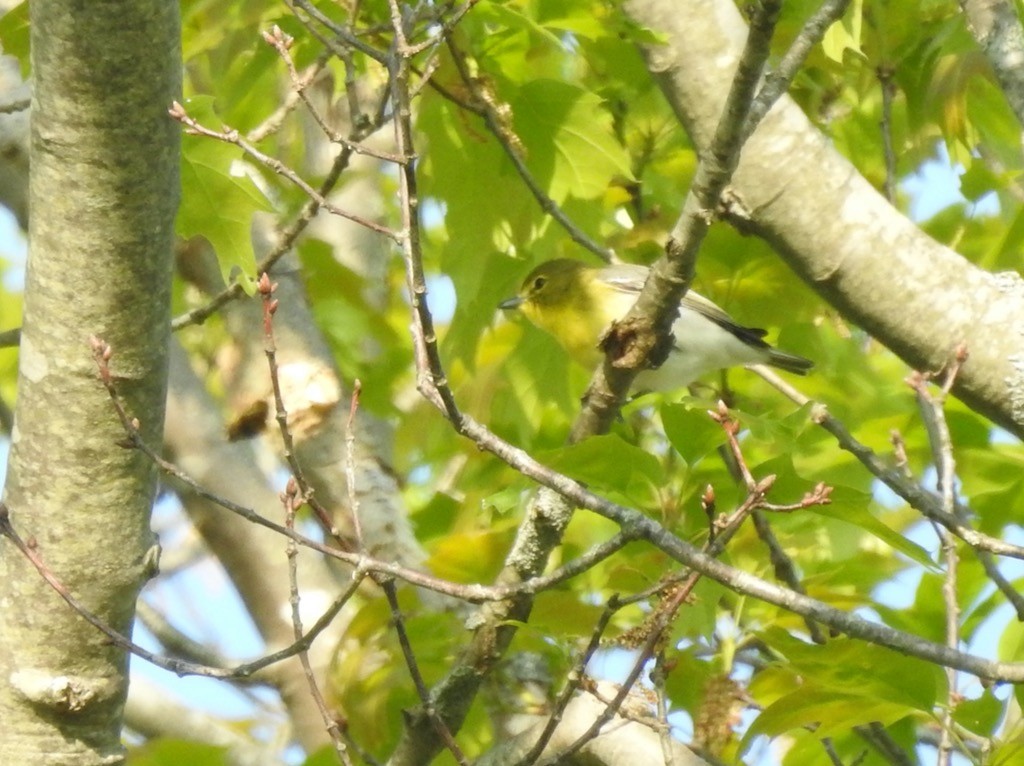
[511, 303]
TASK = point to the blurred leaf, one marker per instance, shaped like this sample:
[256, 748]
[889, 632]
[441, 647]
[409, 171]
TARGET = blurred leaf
[470, 556]
[843, 684]
[845, 34]
[173, 752]
[829, 711]
[981, 715]
[563, 614]
[14, 34]
[857, 668]
[851, 507]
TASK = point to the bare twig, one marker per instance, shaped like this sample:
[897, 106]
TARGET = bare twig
[288, 236]
[294, 97]
[776, 82]
[293, 500]
[343, 33]
[266, 290]
[662, 618]
[784, 569]
[934, 417]
[884, 74]
[281, 42]
[417, 678]
[179, 667]
[231, 136]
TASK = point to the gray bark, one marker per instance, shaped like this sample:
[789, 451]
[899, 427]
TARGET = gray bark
[835, 230]
[103, 194]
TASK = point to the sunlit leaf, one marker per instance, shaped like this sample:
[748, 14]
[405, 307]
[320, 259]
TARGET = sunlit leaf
[218, 199]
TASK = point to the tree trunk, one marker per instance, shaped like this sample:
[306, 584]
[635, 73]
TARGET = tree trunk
[103, 195]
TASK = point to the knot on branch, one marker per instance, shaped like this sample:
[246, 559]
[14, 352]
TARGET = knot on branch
[634, 343]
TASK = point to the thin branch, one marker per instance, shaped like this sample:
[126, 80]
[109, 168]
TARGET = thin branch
[785, 570]
[655, 638]
[894, 478]
[179, 667]
[178, 644]
[884, 74]
[573, 682]
[414, 672]
[643, 337]
[876, 735]
[294, 97]
[287, 236]
[476, 594]
[777, 82]
[637, 524]
[292, 500]
[266, 290]
[231, 136]
[934, 417]
[281, 42]
[343, 33]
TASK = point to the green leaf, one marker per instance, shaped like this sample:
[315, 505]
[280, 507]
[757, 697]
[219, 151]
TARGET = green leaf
[852, 507]
[470, 556]
[845, 34]
[570, 141]
[1011, 643]
[174, 752]
[14, 34]
[325, 756]
[563, 613]
[830, 711]
[691, 431]
[981, 715]
[217, 200]
[480, 284]
[609, 464]
[852, 666]
[842, 684]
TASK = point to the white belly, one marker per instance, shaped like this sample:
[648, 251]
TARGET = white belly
[700, 347]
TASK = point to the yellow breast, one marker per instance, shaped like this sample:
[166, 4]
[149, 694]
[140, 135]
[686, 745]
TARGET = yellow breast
[579, 322]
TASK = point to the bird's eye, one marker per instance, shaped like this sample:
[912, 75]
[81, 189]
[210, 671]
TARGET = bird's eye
[539, 282]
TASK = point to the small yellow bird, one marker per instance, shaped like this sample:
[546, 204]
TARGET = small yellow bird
[576, 303]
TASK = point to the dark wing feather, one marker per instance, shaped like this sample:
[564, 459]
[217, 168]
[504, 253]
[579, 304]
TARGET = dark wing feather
[752, 336]
[629, 278]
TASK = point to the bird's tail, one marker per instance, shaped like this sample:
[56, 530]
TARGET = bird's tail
[789, 362]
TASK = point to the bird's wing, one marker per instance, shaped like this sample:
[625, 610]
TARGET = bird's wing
[625, 277]
[628, 278]
[752, 336]
[704, 307]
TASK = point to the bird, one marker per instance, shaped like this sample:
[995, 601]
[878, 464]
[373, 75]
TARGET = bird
[576, 303]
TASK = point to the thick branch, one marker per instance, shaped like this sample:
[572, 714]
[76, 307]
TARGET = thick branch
[838, 233]
[997, 28]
